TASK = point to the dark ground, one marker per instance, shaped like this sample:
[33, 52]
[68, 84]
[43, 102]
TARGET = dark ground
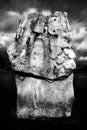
[8, 103]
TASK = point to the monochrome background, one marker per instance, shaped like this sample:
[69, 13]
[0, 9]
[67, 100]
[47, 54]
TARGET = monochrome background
[10, 12]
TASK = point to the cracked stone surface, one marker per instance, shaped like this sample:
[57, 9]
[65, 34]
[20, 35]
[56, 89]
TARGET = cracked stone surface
[42, 50]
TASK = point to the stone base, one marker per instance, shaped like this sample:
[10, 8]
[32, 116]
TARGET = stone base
[47, 113]
[39, 98]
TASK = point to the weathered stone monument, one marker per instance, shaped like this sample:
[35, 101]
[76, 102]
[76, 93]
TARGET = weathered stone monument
[42, 51]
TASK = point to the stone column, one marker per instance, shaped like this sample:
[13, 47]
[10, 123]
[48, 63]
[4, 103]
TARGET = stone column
[43, 59]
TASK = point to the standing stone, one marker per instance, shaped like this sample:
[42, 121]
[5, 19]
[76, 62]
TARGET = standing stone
[42, 51]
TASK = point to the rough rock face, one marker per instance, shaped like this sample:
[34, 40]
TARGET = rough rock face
[42, 50]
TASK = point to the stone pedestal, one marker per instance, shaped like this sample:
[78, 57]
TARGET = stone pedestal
[37, 97]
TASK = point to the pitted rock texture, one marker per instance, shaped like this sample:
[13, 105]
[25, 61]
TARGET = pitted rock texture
[42, 46]
[42, 49]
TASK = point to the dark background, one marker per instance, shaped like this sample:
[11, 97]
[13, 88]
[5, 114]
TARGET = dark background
[73, 7]
[76, 10]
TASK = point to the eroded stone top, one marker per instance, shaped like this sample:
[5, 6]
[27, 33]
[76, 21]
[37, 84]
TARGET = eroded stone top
[42, 45]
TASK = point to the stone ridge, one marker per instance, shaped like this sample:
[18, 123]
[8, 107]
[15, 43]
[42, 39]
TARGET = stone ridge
[42, 45]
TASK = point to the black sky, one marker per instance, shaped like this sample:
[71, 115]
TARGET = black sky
[75, 8]
[52, 4]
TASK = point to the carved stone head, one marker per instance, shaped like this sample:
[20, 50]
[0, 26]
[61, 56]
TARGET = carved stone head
[42, 48]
